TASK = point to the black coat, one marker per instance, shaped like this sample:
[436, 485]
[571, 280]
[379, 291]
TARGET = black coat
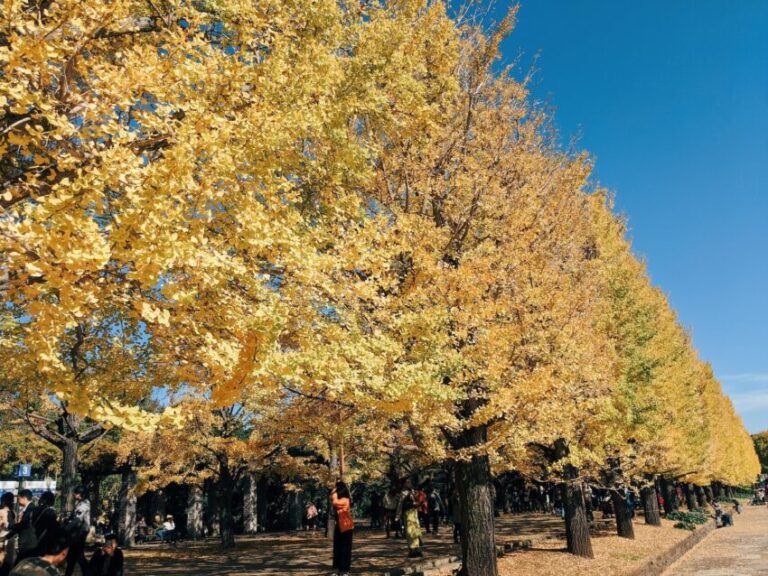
[102, 564]
[24, 528]
[46, 525]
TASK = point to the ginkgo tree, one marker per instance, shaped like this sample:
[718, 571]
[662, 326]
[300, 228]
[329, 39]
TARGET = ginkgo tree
[175, 179]
[326, 225]
[497, 301]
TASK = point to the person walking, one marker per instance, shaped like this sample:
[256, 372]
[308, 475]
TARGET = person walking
[77, 527]
[456, 512]
[341, 501]
[435, 504]
[409, 512]
[46, 523]
[7, 520]
[423, 507]
[391, 522]
[24, 529]
[310, 517]
[375, 509]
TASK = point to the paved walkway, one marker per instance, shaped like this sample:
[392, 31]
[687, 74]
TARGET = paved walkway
[740, 550]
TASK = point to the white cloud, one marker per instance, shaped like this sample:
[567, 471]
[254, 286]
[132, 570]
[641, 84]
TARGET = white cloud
[750, 401]
[746, 377]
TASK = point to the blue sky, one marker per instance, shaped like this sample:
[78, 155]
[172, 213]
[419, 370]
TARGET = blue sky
[671, 97]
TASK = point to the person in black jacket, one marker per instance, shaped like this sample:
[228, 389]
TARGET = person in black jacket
[107, 560]
[24, 528]
[45, 522]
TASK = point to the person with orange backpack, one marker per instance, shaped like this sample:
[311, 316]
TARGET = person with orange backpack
[341, 501]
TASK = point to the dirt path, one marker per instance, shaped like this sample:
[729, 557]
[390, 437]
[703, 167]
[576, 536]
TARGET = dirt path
[309, 555]
[740, 550]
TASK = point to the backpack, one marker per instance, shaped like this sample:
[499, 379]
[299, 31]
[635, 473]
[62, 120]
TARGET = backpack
[345, 520]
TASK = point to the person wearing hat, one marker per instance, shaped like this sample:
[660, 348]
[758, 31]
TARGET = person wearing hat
[57, 548]
[107, 560]
[168, 531]
[77, 527]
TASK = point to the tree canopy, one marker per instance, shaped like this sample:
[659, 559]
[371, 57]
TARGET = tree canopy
[325, 225]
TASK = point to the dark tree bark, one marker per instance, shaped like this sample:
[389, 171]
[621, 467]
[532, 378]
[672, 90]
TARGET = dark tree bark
[69, 453]
[651, 505]
[700, 495]
[226, 518]
[717, 487]
[212, 508]
[126, 529]
[710, 495]
[250, 504]
[195, 512]
[576, 522]
[478, 536]
[156, 505]
[295, 510]
[94, 495]
[690, 497]
[623, 520]
[330, 525]
[669, 494]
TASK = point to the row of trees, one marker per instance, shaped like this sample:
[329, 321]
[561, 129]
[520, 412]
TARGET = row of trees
[304, 234]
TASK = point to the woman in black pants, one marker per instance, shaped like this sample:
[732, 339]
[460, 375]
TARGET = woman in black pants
[342, 534]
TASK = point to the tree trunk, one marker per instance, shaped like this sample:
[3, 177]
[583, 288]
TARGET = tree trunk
[572, 494]
[729, 492]
[718, 489]
[576, 523]
[195, 512]
[690, 497]
[212, 509]
[250, 505]
[226, 518]
[710, 495]
[156, 506]
[700, 496]
[670, 497]
[94, 496]
[295, 510]
[330, 525]
[651, 505]
[478, 538]
[69, 452]
[126, 530]
[623, 520]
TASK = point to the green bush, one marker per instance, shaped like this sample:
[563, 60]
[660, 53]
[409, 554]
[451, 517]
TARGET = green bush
[686, 526]
[689, 520]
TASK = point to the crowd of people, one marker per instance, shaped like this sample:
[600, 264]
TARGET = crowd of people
[407, 511]
[404, 511]
[36, 540]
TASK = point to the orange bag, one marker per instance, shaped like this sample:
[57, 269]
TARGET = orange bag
[345, 521]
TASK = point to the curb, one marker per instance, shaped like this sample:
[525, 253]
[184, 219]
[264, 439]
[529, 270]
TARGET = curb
[440, 564]
[425, 568]
[657, 566]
